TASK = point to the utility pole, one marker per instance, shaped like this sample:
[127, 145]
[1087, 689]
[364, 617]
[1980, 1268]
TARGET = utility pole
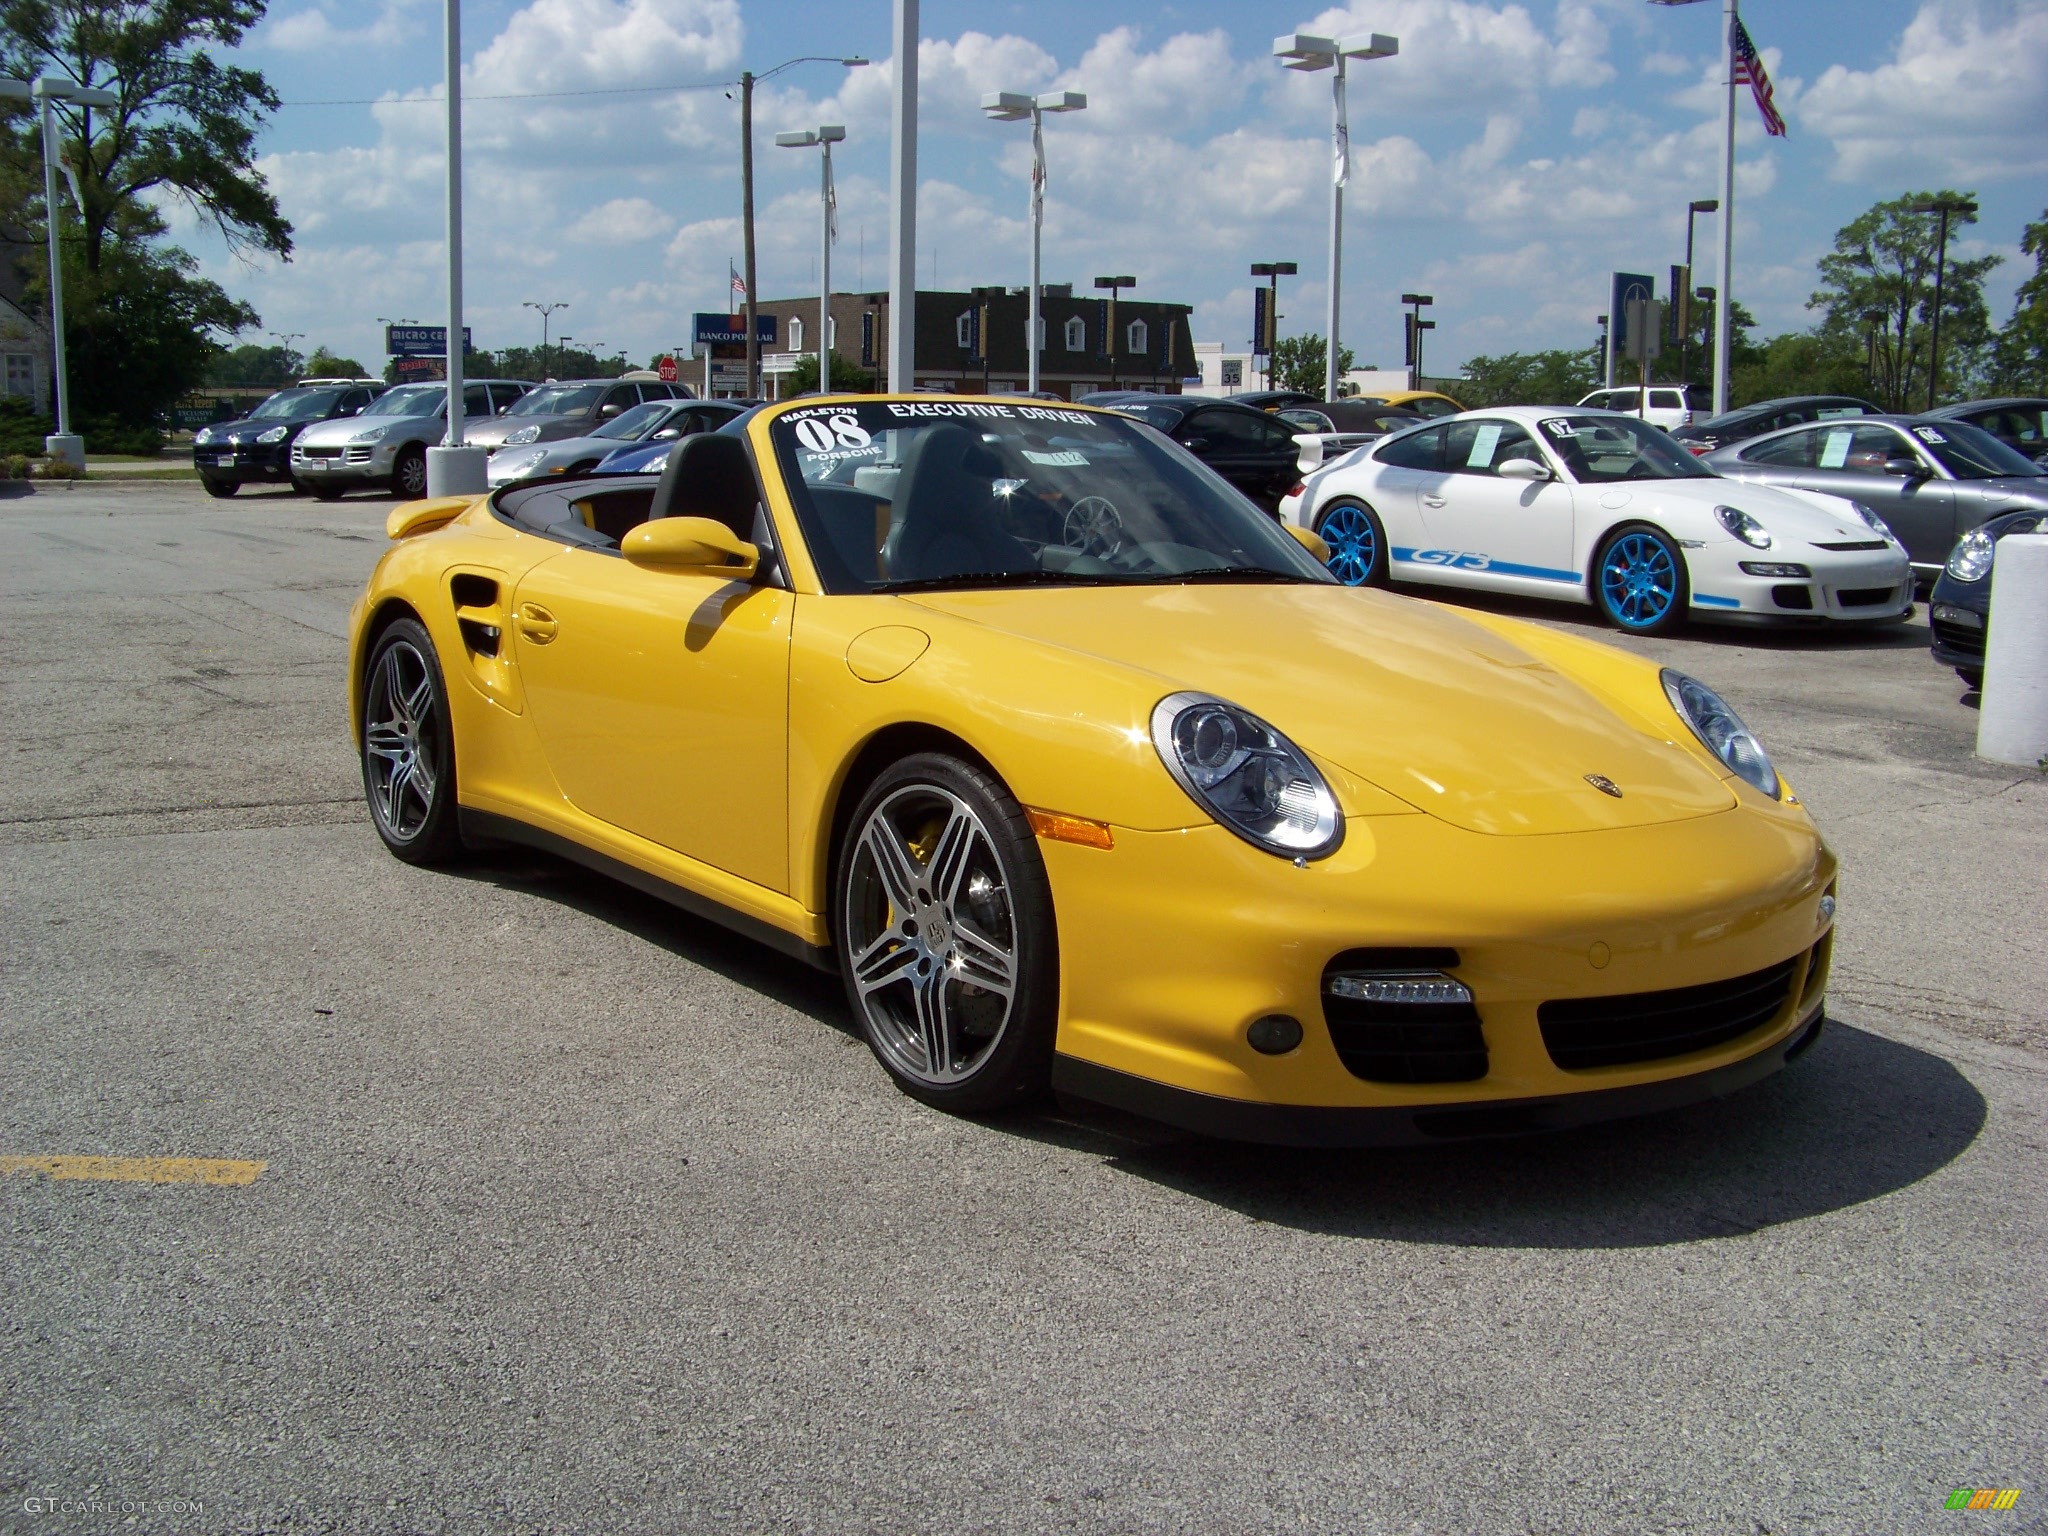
[1963, 209]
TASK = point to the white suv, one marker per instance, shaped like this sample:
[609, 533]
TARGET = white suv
[1668, 405]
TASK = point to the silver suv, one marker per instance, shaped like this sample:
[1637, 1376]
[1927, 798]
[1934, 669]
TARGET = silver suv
[570, 408]
[387, 444]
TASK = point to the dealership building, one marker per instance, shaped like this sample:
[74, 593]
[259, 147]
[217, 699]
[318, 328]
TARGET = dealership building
[973, 342]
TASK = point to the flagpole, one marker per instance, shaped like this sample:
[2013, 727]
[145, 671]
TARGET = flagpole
[1724, 301]
[1037, 224]
[1340, 144]
[825, 276]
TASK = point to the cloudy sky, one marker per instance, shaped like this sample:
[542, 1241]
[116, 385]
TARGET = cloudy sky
[1509, 157]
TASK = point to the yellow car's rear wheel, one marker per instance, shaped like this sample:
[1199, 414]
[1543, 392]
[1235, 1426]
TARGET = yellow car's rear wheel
[945, 936]
[408, 747]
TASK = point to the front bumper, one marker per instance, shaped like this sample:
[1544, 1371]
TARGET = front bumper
[1958, 617]
[349, 464]
[1174, 943]
[242, 462]
[1862, 589]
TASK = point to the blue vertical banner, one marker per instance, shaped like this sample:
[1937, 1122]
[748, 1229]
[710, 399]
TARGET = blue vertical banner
[1624, 287]
[1260, 323]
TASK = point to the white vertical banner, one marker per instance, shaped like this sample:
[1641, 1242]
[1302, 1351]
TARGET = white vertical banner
[1341, 170]
[1037, 167]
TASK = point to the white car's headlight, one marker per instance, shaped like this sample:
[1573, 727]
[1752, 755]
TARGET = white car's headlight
[1878, 524]
[1743, 526]
[1721, 730]
[274, 435]
[522, 435]
[368, 435]
[1248, 776]
[1971, 559]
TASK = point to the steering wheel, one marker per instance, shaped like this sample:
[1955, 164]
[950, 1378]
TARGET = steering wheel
[1094, 527]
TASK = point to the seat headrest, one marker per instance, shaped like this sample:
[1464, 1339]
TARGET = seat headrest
[708, 475]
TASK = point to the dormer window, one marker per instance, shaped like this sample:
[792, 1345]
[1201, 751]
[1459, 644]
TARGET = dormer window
[963, 330]
[1137, 337]
[1077, 335]
[796, 334]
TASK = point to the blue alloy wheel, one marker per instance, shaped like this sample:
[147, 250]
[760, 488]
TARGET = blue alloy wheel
[1354, 544]
[1639, 581]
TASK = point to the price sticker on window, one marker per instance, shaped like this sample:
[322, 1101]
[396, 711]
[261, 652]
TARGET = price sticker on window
[1929, 435]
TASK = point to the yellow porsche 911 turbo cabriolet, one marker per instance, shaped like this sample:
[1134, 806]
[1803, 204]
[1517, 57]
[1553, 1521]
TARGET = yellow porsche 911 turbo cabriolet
[1086, 776]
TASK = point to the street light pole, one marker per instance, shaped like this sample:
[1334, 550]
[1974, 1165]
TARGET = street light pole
[452, 469]
[1684, 302]
[748, 80]
[1013, 107]
[822, 138]
[1272, 271]
[1300, 50]
[1416, 326]
[545, 311]
[1963, 209]
[1116, 286]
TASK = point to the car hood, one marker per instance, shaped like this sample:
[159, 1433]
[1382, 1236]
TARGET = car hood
[343, 428]
[249, 427]
[1787, 511]
[492, 433]
[2023, 492]
[1432, 708]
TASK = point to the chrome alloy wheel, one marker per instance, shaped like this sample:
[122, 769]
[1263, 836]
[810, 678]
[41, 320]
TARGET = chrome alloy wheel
[932, 935]
[401, 739]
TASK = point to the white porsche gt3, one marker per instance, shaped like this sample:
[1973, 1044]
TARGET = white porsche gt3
[1596, 507]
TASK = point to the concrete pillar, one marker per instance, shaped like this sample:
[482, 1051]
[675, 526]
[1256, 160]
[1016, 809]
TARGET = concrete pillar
[2012, 724]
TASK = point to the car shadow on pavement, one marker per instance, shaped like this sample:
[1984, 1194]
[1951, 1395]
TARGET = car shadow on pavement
[1859, 1116]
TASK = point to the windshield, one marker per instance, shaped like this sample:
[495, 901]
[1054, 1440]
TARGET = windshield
[1164, 417]
[557, 400]
[409, 400]
[643, 418]
[903, 495]
[1971, 453]
[1598, 449]
[292, 404]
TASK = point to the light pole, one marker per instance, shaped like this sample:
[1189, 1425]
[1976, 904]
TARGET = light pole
[45, 90]
[1014, 107]
[1299, 50]
[822, 138]
[1707, 297]
[545, 311]
[1272, 272]
[1416, 303]
[748, 80]
[452, 469]
[1729, 21]
[1115, 285]
[1684, 299]
[1962, 209]
[285, 340]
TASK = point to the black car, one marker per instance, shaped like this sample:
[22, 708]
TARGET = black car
[2020, 422]
[258, 448]
[1959, 612]
[1770, 416]
[1272, 399]
[1255, 452]
[1360, 416]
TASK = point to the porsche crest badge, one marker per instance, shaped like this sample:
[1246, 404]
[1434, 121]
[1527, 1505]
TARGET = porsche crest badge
[1604, 784]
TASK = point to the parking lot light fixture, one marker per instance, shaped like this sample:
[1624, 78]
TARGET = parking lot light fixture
[1306, 52]
[545, 311]
[1961, 209]
[748, 80]
[1272, 272]
[1416, 325]
[62, 444]
[1683, 300]
[1115, 285]
[1015, 107]
[822, 138]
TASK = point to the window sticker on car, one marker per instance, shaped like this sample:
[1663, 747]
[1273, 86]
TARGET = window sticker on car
[1928, 435]
[1557, 426]
[1067, 459]
[1834, 452]
[1485, 439]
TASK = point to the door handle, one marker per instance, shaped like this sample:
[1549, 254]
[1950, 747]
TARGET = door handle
[537, 624]
[1432, 501]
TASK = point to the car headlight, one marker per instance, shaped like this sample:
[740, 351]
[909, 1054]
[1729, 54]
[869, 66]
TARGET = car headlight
[1971, 559]
[203, 435]
[520, 463]
[522, 435]
[1248, 776]
[369, 435]
[1878, 524]
[1743, 526]
[274, 435]
[1721, 730]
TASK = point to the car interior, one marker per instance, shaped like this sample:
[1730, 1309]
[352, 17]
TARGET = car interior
[706, 476]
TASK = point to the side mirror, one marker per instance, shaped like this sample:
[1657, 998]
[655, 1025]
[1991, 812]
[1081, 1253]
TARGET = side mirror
[698, 546]
[1908, 466]
[1312, 542]
[667, 433]
[1523, 469]
[610, 409]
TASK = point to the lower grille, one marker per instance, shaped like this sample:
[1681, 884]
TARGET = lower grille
[1954, 637]
[316, 453]
[1864, 597]
[359, 456]
[1394, 1042]
[1582, 1033]
[1855, 546]
[1792, 596]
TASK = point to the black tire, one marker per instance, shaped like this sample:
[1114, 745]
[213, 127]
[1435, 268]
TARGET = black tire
[970, 879]
[409, 473]
[1661, 605]
[300, 488]
[220, 488]
[1972, 676]
[326, 492]
[1357, 524]
[408, 751]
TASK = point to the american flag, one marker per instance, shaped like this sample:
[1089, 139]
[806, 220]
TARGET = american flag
[739, 284]
[1750, 71]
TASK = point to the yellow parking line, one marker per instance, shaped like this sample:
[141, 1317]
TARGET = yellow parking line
[138, 1170]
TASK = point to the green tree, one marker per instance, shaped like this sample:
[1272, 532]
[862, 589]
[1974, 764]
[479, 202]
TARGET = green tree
[1799, 363]
[848, 377]
[1298, 363]
[1562, 377]
[185, 126]
[2020, 358]
[324, 364]
[1877, 296]
[249, 364]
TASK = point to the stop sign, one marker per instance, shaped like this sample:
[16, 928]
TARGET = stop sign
[667, 371]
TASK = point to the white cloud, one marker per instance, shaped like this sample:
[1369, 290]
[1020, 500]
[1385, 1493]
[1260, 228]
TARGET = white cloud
[620, 221]
[1965, 97]
[313, 31]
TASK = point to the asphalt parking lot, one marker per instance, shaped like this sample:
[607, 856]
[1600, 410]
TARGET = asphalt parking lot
[577, 1214]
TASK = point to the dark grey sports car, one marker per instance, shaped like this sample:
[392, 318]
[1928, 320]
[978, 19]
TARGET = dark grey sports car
[1959, 612]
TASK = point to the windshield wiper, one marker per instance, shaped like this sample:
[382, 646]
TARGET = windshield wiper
[973, 579]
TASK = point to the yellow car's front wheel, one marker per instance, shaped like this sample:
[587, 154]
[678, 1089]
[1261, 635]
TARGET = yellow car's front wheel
[945, 936]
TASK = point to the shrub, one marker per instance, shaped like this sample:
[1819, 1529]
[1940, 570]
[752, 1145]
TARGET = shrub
[21, 429]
